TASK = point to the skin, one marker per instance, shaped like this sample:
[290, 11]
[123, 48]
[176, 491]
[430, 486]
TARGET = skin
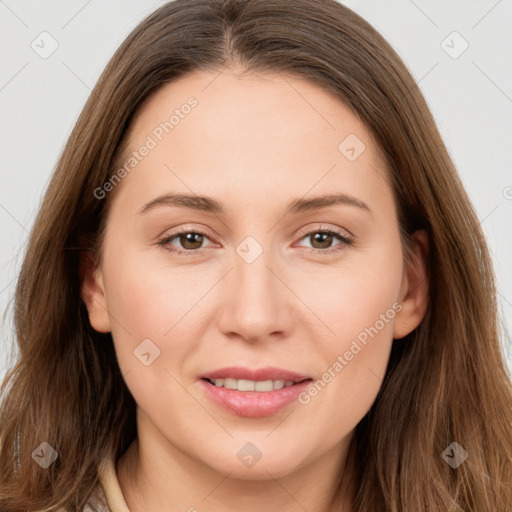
[254, 142]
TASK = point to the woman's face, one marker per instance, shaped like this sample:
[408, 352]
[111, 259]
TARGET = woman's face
[256, 284]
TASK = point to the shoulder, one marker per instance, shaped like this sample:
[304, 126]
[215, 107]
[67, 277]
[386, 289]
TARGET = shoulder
[97, 502]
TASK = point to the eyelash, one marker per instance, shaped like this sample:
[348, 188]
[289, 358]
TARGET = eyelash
[345, 241]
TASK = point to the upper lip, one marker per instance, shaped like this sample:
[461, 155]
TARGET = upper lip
[268, 373]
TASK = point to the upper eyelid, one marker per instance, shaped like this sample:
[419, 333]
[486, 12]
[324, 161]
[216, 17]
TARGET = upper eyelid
[323, 227]
[302, 234]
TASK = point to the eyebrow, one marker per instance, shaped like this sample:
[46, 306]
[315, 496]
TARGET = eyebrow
[211, 205]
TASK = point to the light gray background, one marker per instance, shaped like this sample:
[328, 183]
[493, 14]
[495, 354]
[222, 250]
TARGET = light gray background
[40, 99]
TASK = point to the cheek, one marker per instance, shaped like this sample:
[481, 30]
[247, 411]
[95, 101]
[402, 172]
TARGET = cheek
[351, 298]
[359, 306]
[149, 303]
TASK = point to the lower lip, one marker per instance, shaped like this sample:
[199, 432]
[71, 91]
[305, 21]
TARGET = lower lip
[254, 404]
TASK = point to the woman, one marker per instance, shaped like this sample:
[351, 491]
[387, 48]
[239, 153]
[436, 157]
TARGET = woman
[182, 347]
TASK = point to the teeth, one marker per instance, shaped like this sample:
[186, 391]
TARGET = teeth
[252, 385]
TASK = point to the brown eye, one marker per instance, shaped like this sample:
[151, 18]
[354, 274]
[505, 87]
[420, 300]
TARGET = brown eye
[186, 242]
[322, 240]
[191, 240]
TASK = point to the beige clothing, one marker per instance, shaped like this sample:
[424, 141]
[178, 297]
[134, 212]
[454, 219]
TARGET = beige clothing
[109, 498]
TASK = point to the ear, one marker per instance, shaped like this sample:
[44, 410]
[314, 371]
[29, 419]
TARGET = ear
[93, 292]
[414, 288]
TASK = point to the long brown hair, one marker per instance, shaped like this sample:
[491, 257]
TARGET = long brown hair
[446, 381]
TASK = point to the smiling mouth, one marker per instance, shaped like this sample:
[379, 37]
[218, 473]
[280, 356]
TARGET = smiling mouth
[252, 385]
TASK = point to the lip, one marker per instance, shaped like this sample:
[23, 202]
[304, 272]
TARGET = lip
[268, 373]
[253, 404]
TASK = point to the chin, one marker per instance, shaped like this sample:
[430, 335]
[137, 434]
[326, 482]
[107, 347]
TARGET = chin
[256, 467]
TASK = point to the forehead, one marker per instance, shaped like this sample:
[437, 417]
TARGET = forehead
[257, 133]
[270, 108]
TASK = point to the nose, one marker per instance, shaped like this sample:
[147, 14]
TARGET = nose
[257, 303]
